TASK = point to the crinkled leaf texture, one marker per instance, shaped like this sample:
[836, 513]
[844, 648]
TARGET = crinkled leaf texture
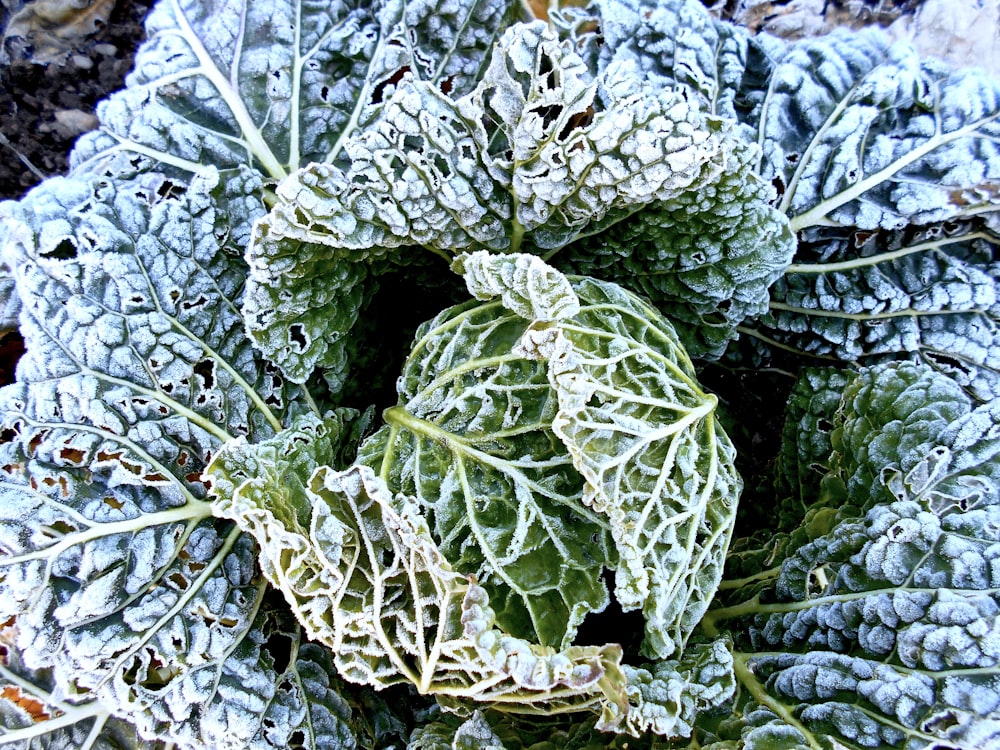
[867, 296]
[34, 716]
[112, 570]
[278, 85]
[865, 134]
[666, 698]
[545, 451]
[705, 257]
[528, 453]
[885, 630]
[889, 168]
[366, 579]
[544, 151]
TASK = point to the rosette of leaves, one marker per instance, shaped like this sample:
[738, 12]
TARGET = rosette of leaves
[881, 629]
[544, 435]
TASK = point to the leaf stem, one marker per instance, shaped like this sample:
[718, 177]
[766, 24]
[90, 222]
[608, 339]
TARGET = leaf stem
[744, 673]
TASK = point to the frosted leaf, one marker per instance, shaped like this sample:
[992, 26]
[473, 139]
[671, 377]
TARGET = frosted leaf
[545, 452]
[136, 371]
[361, 571]
[865, 296]
[896, 601]
[527, 287]
[528, 161]
[288, 85]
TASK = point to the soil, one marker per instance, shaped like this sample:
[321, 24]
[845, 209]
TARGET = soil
[44, 108]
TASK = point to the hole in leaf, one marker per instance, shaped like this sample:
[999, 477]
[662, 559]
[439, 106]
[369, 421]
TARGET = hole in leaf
[577, 121]
[64, 250]
[279, 646]
[941, 723]
[547, 70]
[413, 143]
[943, 360]
[612, 625]
[170, 189]
[441, 164]
[205, 369]
[195, 304]
[324, 92]
[178, 580]
[113, 503]
[297, 334]
[392, 80]
[158, 675]
[447, 85]
[549, 114]
[72, 455]
[30, 705]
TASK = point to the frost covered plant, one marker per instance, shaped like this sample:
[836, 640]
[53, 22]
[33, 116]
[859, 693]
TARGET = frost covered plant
[244, 505]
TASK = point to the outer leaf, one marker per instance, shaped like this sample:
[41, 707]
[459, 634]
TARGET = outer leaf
[706, 257]
[863, 134]
[666, 697]
[677, 43]
[530, 158]
[883, 632]
[34, 717]
[869, 295]
[136, 371]
[280, 85]
[866, 143]
[10, 305]
[364, 576]
[807, 440]
[891, 416]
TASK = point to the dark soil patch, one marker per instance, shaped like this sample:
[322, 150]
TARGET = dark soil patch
[45, 108]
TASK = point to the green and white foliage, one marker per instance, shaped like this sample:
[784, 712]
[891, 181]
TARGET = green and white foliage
[543, 154]
[278, 85]
[888, 167]
[540, 438]
[883, 630]
[549, 447]
[115, 576]
[33, 713]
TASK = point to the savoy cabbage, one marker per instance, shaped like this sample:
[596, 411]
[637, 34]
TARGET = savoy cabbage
[248, 499]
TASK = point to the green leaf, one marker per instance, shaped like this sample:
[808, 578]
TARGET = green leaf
[366, 579]
[33, 715]
[530, 159]
[474, 733]
[860, 133]
[706, 258]
[545, 450]
[869, 296]
[280, 85]
[136, 371]
[883, 631]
